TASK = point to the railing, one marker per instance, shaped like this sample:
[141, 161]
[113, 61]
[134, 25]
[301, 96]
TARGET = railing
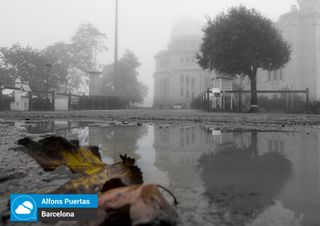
[205, 97]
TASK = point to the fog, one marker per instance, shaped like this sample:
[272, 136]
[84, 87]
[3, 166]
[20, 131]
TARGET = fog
[144, 25]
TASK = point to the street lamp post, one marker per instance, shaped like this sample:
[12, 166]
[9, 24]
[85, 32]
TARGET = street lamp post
[116, 50]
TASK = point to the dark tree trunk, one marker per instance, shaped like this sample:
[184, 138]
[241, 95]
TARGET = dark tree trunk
[254, 96]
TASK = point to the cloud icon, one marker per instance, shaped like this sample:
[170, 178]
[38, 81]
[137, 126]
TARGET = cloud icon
[25, 208]
[28, 205]
[22, 210]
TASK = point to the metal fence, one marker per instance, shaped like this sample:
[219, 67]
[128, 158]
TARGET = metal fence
[235, 100]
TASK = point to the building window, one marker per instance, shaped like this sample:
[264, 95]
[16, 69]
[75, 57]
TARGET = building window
[187, 59]
[181, 142]
[281, 74]
[165, 62]
[182, 60]
[161, 87]
[182, 78]
[269, 76]
[192, 95]
[275, 75]
[281, 147]
[182, 85]
[270, 145]
[187, 94]
[192, 82]
[276, 146]
[187, 79]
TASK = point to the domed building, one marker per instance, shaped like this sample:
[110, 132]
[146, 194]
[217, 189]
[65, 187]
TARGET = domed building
[178, 79]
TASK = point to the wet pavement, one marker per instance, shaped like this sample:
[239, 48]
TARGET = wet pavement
[220, 175]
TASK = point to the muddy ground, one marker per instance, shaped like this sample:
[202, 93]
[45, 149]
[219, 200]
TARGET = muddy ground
[230, 119]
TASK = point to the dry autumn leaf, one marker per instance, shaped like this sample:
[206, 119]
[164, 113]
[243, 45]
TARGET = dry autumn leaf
[124, 170]
[135, 205]
[53, 151]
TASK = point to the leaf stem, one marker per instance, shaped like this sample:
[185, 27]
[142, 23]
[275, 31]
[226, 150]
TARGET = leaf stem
[167, 190]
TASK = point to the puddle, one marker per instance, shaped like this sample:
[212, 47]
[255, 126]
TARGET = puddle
[219, 177]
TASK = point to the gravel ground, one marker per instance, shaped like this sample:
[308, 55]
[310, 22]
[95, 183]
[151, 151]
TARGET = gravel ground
[231, 119]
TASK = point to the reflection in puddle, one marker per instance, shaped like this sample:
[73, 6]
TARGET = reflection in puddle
[220, 177]
[241, 182]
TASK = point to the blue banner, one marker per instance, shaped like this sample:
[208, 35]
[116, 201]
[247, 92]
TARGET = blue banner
[25, 207]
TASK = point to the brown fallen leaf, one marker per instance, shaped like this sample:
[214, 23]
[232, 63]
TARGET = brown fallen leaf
[53, 151]
[123, 170]
[135, 205]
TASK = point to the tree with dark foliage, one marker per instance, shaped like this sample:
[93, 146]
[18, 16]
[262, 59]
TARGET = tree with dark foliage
[26, 62]
[87, 42]
[240, 42]
[132, 90]
[29, 63]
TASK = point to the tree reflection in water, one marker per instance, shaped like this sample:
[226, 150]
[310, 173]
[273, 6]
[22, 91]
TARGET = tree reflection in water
[241, 183]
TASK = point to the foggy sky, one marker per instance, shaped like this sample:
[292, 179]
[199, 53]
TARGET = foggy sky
[144, 25]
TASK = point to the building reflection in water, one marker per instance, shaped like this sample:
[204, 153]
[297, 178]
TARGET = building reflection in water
[251, 176]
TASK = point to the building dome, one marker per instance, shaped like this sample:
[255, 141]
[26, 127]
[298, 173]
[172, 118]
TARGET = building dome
[187, 28]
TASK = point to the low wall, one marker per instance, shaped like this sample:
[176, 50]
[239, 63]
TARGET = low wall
[22, 105]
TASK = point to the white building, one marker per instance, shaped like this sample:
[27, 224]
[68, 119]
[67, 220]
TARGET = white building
[21, 99]
[178, 78]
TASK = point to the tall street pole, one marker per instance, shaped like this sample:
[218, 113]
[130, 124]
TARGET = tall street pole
[116, 52]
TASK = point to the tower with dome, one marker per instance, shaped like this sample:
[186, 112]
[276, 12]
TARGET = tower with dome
[178, 79]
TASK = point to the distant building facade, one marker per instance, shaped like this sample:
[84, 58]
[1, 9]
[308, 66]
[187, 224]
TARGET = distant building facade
[178, 78]
[301, 28]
